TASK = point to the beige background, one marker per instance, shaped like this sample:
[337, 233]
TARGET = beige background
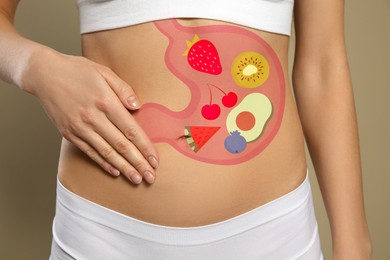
[29, 143]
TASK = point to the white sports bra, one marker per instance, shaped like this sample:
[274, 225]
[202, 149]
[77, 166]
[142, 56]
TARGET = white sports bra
[268, 15]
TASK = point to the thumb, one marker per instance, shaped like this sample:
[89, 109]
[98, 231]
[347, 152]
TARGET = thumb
[122, 90]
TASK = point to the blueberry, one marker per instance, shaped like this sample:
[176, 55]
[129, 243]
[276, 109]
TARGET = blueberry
[235, 142]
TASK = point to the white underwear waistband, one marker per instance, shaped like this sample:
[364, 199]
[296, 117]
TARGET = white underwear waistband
[292, 201]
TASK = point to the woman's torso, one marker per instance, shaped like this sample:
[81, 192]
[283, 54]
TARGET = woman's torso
[192, 188]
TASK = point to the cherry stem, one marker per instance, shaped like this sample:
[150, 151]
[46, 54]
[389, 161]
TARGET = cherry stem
[217, 88]
[211, 96]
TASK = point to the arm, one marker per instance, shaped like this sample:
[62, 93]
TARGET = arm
[324, 96]
[87, 101]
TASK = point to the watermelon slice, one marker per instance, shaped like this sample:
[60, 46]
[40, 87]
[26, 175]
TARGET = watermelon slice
[198, 136]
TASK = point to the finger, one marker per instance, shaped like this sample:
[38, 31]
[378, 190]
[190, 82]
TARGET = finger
[99, 148]
[126, 123]
[91, 153]
[122, 90]
[125, 148]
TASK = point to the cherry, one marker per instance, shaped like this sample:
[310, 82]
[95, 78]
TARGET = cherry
[230, 99]
[211, 111]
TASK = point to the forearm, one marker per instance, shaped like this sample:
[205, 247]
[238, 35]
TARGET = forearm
[16, 52]
[325, 101]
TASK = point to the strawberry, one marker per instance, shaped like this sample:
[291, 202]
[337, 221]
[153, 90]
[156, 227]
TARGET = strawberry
[203, 56]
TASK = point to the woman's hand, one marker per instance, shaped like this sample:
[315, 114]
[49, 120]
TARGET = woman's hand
[88, 103]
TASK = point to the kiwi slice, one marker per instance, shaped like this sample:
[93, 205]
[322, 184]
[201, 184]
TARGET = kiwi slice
[250, 69]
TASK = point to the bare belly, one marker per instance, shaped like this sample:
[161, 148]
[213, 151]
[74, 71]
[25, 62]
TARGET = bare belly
[222, 118]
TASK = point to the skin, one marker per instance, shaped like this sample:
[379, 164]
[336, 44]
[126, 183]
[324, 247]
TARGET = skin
[322, 87]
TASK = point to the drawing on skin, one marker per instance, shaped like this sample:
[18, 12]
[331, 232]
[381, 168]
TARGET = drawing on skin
[197, 136]
[247, 120]
[250, 69]
[229, 99]
[232, 115]
[235, 142]
[203, 56]
[212, 111]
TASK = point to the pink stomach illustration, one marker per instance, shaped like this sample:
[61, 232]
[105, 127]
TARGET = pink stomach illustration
[237, 94]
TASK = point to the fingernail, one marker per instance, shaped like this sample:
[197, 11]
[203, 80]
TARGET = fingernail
[149, 177]
[115, 172]
[153, 161]
[133, 102]
[136, 178]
